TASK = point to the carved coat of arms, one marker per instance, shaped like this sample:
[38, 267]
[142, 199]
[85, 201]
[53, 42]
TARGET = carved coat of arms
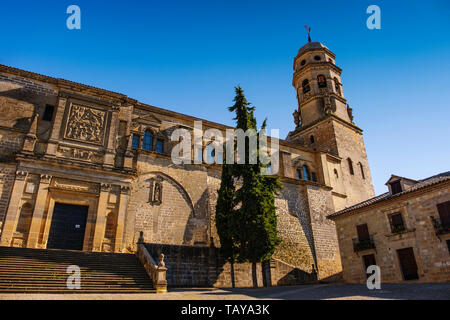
[85, 124]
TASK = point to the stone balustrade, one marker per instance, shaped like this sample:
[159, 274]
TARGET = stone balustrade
[157, 272]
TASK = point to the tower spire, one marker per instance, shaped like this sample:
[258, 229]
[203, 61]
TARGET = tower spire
[308, 29]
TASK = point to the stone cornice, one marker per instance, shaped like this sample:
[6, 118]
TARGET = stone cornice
[324, 118]
[317, 50]
[321, 95]
[315, 66]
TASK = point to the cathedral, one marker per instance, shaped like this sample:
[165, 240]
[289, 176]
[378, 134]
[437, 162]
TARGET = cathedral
[87, 169]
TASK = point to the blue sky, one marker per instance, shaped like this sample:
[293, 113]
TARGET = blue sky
[187, 56]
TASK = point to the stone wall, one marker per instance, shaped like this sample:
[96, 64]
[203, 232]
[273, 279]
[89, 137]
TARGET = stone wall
[324, 233]
[189, 266]
[430, 251]
[294, 227]
[351, 145]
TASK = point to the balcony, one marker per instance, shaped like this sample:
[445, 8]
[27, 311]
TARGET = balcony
[398, 228]
[439, 227]
[361, 245]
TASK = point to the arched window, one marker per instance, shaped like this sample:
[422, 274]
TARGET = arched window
[210, 154]
[305, 172]
[136, 140]
[303, 62]
[321, 81]
[305, 86]
[147, 142]
[110, 229]
[336, 174]
[311, 138]
[362, 170]
[337, 86]
[350, 166]
[299, 174]
[23, 225]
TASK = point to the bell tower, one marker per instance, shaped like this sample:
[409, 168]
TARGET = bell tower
[324, 121]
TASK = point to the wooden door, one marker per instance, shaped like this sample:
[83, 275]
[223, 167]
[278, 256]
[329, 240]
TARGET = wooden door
[68, 227]
[408, 264]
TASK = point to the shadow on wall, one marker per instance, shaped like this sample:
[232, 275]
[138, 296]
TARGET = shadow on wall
[189, 266]
[305, 222]
[18, 117]
[196, 232]
[297, 276]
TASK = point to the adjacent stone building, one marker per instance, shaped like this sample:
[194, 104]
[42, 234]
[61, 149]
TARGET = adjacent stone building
[406, 232]
[84, 168]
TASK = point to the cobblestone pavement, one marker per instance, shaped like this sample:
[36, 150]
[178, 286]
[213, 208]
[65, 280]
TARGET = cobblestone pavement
[439, 291]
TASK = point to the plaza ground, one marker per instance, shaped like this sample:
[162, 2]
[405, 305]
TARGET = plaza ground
[435, 291]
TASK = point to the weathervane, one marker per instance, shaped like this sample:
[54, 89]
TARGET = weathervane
[308, 29]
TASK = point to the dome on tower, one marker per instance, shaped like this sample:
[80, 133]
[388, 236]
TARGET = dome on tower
[311, 46]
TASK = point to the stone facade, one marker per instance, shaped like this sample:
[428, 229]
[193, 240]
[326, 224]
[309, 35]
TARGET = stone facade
[69, 143]
[415, 230]
[190, 266]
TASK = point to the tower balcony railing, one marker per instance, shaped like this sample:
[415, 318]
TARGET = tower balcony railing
[439, 227]
[361, 245]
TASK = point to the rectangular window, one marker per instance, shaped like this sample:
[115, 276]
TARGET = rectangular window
[448, 245]
[48, 113]
[135, 142]
[159, 146]
[444, 214]
[313, 177]
[363, 232]
[397, 224]
[396, 187]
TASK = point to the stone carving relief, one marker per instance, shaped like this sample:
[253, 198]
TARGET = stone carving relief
[85, 124]
[78, 186]
[155, 193]
[80, 154]
[297, 118]
[350, 113]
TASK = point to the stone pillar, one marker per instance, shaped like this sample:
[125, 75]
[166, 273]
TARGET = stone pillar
[123, 204]
[30, 138]
[100, 221]
[52, 145]
[12, 215]
[110, 143]
[38, 213]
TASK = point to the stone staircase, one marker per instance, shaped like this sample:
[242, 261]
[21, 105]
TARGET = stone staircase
[45, 271]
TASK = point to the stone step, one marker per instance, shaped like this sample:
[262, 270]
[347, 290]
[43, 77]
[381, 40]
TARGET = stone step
[44, 271]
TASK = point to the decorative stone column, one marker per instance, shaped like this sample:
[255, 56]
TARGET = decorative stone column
[52, 145]
[110, 144]
[12, 214]
[123, 204]
[38, 213]
[100, 221]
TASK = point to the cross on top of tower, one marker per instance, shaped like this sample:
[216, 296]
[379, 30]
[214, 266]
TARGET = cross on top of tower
[308, 29]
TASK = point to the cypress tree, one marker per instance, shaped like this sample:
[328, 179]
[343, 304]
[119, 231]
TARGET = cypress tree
[251, 207]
